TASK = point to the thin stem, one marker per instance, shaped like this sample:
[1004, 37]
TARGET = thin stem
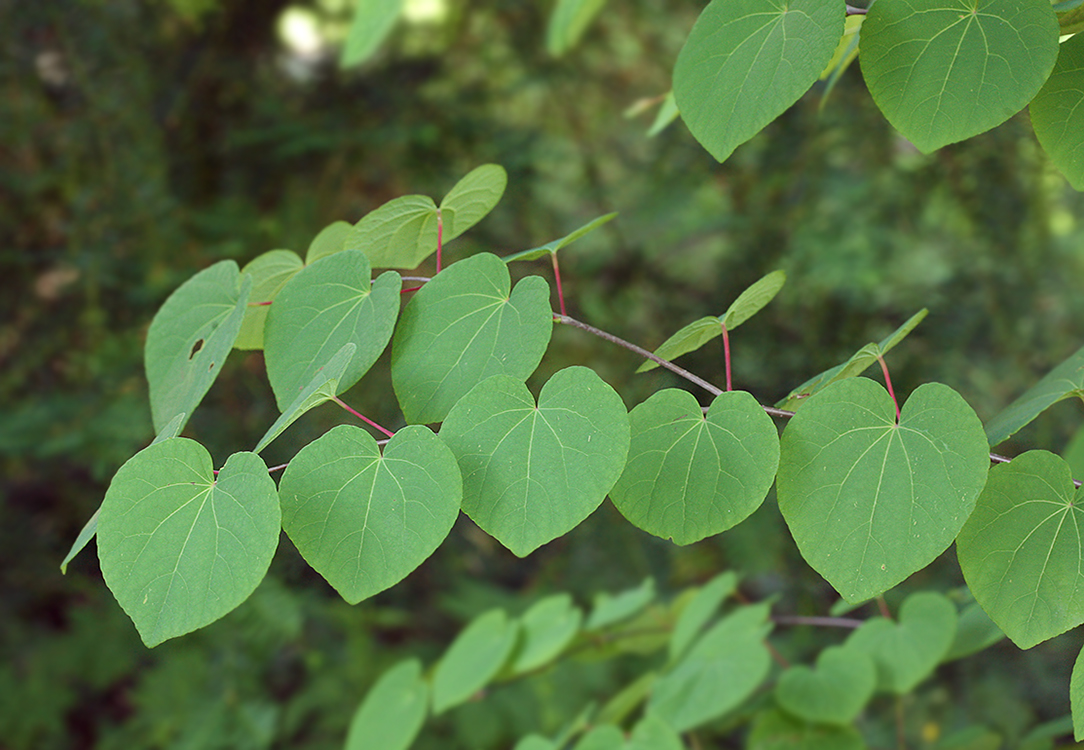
[440, 237]
[362, 417]
[777, 657]
[882, 607]
[422, 279]
[888, 382]
[557, 276]
[726, 354]
[259, 304]
[818, 622]
[280, 467]
[853, 11]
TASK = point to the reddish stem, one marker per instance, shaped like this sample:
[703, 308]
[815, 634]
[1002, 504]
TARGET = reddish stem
[888, 382]
[410, 289]
[726, 354]
[362, 417]
[557, 275]
[440, 237]
[259, 304]
[882, 607]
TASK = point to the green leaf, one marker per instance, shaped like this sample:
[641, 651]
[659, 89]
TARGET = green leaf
[627, 700]
[532, 473]
[400, 234]
[688, 339]
[610, 609]
[534, 742]
[330, 240]
[833, 693]
[365, 520]
[323, 386]
[180, 548]
[747, 61]
[667, 113]
[942, 73]
[1057, 113]
[691, 475]
[721, 670]
[975, 631]
[326, 306]
[653, 733]
[907, 652]
[545, 629]
[461, 328]
[1064, 381]
[775, 730]
[551, 248]
[373, 21]
[471, 199]
[1021, 550]
[1070, 16]
[568, 22]
[190, 337]
[269, 272]
[870, 501]
[474, 657]
[602, 737]
[1076, 696]
[699, 611]
[393, 711]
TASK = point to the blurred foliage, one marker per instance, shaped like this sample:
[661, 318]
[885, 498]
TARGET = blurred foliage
[144, 141]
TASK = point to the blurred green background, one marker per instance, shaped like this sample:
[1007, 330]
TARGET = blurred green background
[142, 140]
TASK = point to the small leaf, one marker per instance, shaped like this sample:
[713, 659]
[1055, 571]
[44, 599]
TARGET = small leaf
[393, 711]
[610, 609]
[476, 655]
[602, 737]
[835, 692]
[653, 733]
[471, 199]
[535, 742]
[1057, 113]
[775, 730]
[269, 272]
[532, 473]
[627, 700]
[1020, 551]
[365, 520]
[545, 629]
[400, 234]
[330, 240]
[568, 22]
[1076, 696]
[551, 248]
[1064, 381]
[753, 299]
[180, 548]
[373, 21]
[668, 112]
[975, 632]
[699, 611]
[688, 339]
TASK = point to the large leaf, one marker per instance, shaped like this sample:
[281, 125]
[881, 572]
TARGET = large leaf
[462, 327]
[365, 520]
[942, 72]
[476, 655]
[568, 22]
[269, 272]
[551, 248]
[691, 475]
[1064, 381]
[190, 337]
[1057, 112]
[532, 473]
[746, 61]
[373, 21]
[1022, 548]
[393, 711]
[834, 692]
[471, 199]
[870, 501]
[320, 310]
[180, 548]
[545, 629]
[400, 234]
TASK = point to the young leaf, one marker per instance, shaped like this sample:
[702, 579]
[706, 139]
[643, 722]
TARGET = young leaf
[190, 337]
[365, 520]
[946, 72]
[1020, 551]
[373, 21]
[746, 61]
[775, 730]
[568, 22]
[611, 608]
[688, 339]
[653, 733]
[975, 632]
[835, 692]
[870, 501]
[602, 737]
[400, 234]
[462, 327]
[1057, 113]
[551, 248]
[545, 629]
[1064, 381]
[1076, 696]
[692, 475]
[532, 473]
[393, 711]
[180, 548]
[699, 611]
[668, 112]
[323, 308]
[269, 272]
[330, 240]
[471, 199]
[476, 655]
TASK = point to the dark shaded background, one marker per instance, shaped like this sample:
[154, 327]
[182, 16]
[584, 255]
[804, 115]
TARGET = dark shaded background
[141, 141]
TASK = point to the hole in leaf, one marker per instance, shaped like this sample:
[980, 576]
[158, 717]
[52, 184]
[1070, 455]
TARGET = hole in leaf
[195, 348]
[211, 367]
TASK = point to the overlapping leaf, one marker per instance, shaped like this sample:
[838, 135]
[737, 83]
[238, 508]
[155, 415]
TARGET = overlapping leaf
[1022, 548]
[1064, 381]
[551, 248]
[654, 733]
[545, 629]
[270, 272]
[691, 475]
[373, 21]
[330, 240]
[532, 473]
[870, 501]
[180, 548]
[568, 22]
[462, 327]
[326, 306]
[975, 631]
[365, 520]
[1057, 112]
[613, 608]
[746, 61]
[393, 711]
[835, 692]
[473, 659]
[699, 611]
[471, 199]
[775, 730]
[946, 71]
[400, 234]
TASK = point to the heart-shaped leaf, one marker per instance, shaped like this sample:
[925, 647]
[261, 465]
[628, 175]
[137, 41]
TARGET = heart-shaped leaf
[654, 733]
[471, 199]
[545, 629]
[400, 234]
[691, 475]
[269, 272]
[1021, 550]
[907, 652]
[180, 548]
[746, 61]
[833, 693]
[1057, 113]
[551, 248]
[775, 730]
[190, 337]
[870, 501]
[365, 520]
[393, 711]
[330, 240]
[373, 21]
[532, 473]
[461, 328]
[326, 306]
[474, 657]
[1064, 381]
[944, 72]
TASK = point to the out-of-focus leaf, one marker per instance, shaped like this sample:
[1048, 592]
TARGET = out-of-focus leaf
[373, 21]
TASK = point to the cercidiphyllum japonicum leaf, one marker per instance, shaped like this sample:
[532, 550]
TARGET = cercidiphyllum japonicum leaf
[180, 548]
[546, 628]
[364, 520]
[870, 501]
[330, 240]
[1064, 381]
[700, 609]
[471, 199]
[551, 247]
[907, 652]
[473, 659]
[568, 21]
[324, 307]
[1076, 697]
[691, 475]
[393, 711]
[721, 670]
[975, 631]
[653, 733]
[602, 737]
[834, 692]
[190, 337]
[373, 21]
[668, 112]
[945, 71]
[532, 473]
[746, 61]
[1021, 550]
[610, 608]
[400, 234]
[1057, 112]
[269, 272]
[775, 730]
[461, 328]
